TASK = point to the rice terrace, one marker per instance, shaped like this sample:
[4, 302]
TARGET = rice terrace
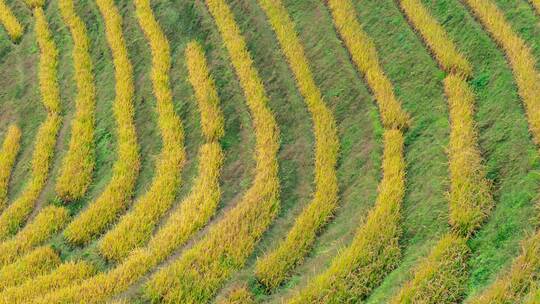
[270, 151]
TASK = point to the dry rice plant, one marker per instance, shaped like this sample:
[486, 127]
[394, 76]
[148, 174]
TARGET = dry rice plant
[114, 199]
[274, 267]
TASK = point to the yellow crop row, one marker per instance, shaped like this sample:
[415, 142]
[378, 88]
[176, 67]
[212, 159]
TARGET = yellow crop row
[519, 55]
[436, 38]
[274, 267]
[40, 261]
[513, 284]
[17, 212]
[114, 199]
[48, 62]
[205, 92]
[136, 227]
[8, 154]
[12, 26]
[365, 57]
[192, 214]
[470, 197]
[375, 250]
[48, 222]
[201, 271]
[441, 277]
[65, 274]
[75, 173]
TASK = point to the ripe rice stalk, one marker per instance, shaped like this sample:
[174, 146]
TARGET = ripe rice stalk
[47, 223]
[436, 38]
[18, 211]
[441, 277]
[114, 199]
[277, 264]
[239, 295]
[136, 227]
[75, 173]
[519, 56]
[374, 251]
[8, 155]
[199, 273]
[65, 274]
[191, 215]
[513, 284]
[12, 26]
[39, 262]
[364, 55]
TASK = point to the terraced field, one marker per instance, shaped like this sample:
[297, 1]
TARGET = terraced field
[270, 151]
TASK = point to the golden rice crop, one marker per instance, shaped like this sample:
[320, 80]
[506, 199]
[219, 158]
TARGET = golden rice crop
[8, 154]
[48, 62]
[375, 250]
[365, 57]
[17, 212]
[436, 38]
[12, 26]
[136, 227]
[513, 284]
[205, 92]
[75, 173]
[201, 271]
[274, 267]
[48, 222]
[65, 274]
[40, 261]
[470, 198]
[239, 295]
[518, 54]
[191, 215]
[441, 277]
[114, 199]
